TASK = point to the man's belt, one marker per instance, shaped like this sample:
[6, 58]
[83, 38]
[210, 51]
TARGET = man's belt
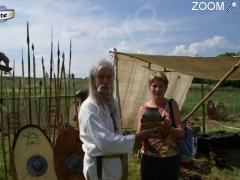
[99, 163]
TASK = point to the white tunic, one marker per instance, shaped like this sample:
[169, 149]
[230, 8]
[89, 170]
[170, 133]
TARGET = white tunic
[99, 139]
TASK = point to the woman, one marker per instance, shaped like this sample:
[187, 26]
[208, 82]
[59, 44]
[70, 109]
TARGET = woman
[160, 158]
[100, 127]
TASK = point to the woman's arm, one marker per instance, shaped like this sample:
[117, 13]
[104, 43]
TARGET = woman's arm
[178, 129]
[139, 123]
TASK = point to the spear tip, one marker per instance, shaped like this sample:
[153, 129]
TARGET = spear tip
[58, 51]
[27, 33]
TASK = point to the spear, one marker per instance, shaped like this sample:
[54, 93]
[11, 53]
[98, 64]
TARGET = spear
[58, 90]
[45, 91]
[65, 86]
[75, 100]
[44, 82]
[29, 77]
[34, 80]
[56, 114]
[2, 135]
[50, 88]
[70, 61]
[8, 129]
[58, 65]
[57, 86]
[69, 75]
[23, 77]
[39, 102]
[18, 104]
[34, 72]
[13, 99]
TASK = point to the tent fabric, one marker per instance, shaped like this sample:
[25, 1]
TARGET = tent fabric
[213, 68]
[132, 81]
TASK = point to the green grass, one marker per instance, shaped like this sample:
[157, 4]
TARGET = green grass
[229, 96]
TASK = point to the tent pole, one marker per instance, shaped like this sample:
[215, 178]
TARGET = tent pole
[203, 107]
[124, 157]
[116, 78]
[234, 68]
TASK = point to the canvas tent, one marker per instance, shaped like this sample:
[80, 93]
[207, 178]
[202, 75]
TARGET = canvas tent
[133, 71]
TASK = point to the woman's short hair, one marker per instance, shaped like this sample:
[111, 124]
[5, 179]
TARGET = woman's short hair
[158, 75]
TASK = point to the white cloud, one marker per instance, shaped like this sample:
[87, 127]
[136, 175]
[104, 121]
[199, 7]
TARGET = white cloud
[202, 47]
[94, 28]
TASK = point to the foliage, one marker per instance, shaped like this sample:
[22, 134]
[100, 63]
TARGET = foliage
[229, 54]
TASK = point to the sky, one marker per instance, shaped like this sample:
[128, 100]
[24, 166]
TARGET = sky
[162, 27]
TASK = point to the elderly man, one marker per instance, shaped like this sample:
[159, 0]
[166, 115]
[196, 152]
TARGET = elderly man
[100, 127]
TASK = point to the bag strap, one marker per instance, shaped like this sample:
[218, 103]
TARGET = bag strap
[99, 167]
[171, 111]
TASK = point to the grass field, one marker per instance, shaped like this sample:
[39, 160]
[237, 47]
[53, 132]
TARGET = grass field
[229, 96]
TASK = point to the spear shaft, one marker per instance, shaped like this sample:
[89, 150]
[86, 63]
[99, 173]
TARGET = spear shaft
[29, 77]
[69, 76]
[45, 93]
[65, 87]
[44, 81]
[34, 72]
[13, 102]
[23, 76]
[75, 99]
[50, 84]
[18, 104]
[56, 114]
[39, 103]
[34, 83]
[8, 131]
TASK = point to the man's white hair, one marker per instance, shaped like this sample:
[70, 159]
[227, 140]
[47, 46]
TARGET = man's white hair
[94, 94]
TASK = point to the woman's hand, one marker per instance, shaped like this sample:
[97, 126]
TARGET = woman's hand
[165, 129]
[148, 133]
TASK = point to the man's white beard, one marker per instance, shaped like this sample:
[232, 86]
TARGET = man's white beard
[99, 90]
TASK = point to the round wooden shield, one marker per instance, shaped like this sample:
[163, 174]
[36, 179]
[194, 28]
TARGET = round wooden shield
[73, 114]
[221, 111]
[68, 155]
[32, 155]
[52, 119]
